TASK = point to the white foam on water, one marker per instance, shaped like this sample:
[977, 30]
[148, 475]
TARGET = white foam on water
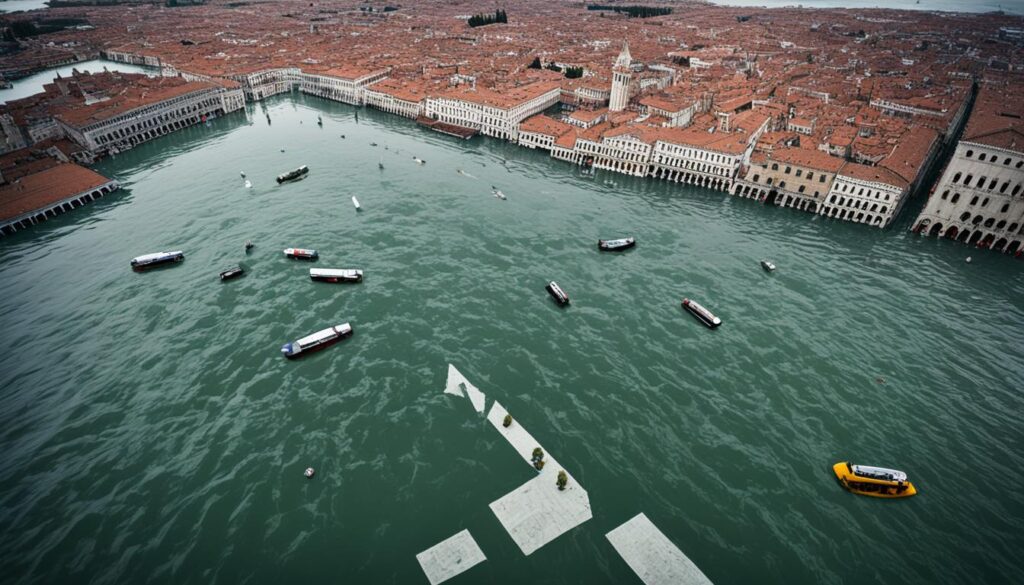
[652, 556]
[450, 557]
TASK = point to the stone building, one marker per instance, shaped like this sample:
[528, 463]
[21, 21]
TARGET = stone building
[979, 199]
[622, 77]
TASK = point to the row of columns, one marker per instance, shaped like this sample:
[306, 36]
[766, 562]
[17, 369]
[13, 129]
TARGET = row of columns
[41, 215]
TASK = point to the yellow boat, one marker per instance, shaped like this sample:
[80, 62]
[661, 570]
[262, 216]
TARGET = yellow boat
[877, 482]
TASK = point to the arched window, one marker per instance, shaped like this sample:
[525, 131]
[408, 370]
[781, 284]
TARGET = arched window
[1007, 161]
[977, 219]
[860, 191]
[1006, 207]
[1013, 226]
[956, 197]
[1016, 189]
[887, 197]
[844, 187]
[1004, 186]
[970, 153]
[832, 199]
[775, 166]
[956, 178]
[821, 178]
[945, 194]
[757, 178]
[1019, 163]
[967, 181]
[788, 169]
[989, 222]
[981, 183]
[992, 184]
[884, 209]
[974, 200]
[965, 216]
[782, 185]
[802, 187]
[1001, 224]
[984, 202]
[810, 175]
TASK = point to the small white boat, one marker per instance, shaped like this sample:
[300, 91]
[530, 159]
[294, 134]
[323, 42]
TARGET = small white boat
[419, 160]
[248, 184]
[146, 261]
[767, 265]
[702, 314]
[616, 245]
[301, 253]
[316, 341]
[356, 203]
[500, 195]
[335, 275]
[557, 293]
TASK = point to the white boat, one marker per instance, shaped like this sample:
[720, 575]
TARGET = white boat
[356, 203]
[767, 265]
[703, 315]
[419, 160]
[616, 245]
[499, 194]
[301, 253]
[248, 184]
[557, 293]
[140, 263]
[316, 341]
[336, 274]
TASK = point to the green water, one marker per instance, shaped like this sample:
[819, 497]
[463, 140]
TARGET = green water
[150, 431]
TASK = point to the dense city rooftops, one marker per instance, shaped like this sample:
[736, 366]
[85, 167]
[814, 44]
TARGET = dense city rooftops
[47, 187]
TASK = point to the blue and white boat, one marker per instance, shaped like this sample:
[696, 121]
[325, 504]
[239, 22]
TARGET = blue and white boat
[316, 341]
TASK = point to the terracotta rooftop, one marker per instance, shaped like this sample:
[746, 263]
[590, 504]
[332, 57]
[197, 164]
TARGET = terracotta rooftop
[45, 188]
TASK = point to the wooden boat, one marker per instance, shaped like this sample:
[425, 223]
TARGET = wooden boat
[877, 482]
[616, 245]
[335, 275]
[296, 175]
[703, 315]
[557, 293]
[147, 261]
[301, 253]
[316, 341]
[233, 272]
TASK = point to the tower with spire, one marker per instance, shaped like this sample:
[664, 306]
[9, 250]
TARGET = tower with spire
[622, 75]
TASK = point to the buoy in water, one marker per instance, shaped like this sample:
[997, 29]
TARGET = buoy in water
[968, 259]
[309, 473]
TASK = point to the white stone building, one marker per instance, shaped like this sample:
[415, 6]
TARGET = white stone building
[267, 82]
[979, 199]
[344, 86]
[492, 113]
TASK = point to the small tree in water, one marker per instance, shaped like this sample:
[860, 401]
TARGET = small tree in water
[563, 479]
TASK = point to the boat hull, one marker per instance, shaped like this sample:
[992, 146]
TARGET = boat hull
[158, 264]
[230, 274]
[337, 279]
[561, 298]
[874, 489]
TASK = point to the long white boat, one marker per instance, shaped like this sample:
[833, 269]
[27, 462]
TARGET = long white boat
[356, 203]
[336, 274]
[703, 315]
[316, 341]
[301, 253]
[147, 261]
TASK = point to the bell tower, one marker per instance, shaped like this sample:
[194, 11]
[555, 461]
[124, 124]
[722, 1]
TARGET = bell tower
[622, 75]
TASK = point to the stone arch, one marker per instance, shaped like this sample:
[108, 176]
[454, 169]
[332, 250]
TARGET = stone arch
[975, 237]
[964, 235]
[1013, 247]
[951, 232]
[999, 245]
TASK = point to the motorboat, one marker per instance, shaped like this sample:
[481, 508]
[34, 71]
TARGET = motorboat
[243, 174]
[373, 144]
[419, 160]
[248, 184]
[301, 253]
[557, 293]
[319, 121]
[356, 203]
[147, 261]
[248, 245]
[877, 482]
[336, 274]
[499, 194]
[233, 272]
[316, 341]
[616, 245]
[767, 265]
[296, 175]
[703, 315]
